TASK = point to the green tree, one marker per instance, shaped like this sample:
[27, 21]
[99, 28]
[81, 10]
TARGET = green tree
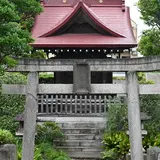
[150, 40]
[150, 11]
[16, 19]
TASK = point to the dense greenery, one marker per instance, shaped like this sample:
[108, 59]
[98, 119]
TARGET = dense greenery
[44, 149]
[117, 117]
[48, 132]
[150, 11]
[6, 137]
[116, 145]
[150, 40]
[11, 105]
[151, 105]
[16, 19]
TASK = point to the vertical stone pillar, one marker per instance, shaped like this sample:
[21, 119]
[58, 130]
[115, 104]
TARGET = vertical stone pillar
[31, 109]
[134, 120]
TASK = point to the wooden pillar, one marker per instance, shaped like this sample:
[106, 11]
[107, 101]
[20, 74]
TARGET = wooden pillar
[31, 108]
[134, 120]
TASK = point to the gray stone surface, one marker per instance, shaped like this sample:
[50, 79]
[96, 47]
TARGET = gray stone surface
[83, 136]
[134, 117]
[68, 89]
[82, 79]
[8, 152]
[128, 157]
[155, 77]
[111, 65]
[30, 116]
[153, 153]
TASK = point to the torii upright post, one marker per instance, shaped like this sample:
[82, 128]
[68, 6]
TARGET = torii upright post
[134, 117]
[31, 109]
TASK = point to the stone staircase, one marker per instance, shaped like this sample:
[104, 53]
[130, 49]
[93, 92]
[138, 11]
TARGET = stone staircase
[83, 136]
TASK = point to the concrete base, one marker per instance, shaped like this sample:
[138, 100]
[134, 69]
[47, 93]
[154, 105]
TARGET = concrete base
[128, 156]
[8, 152]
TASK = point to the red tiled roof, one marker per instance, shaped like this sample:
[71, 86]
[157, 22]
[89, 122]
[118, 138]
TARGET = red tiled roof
[110, 17]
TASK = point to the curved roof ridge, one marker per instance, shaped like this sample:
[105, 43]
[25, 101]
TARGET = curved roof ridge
[91, 15]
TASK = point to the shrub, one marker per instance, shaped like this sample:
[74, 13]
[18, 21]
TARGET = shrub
[116, 145]
[46, 78]
[11, 105]
[47, 132]
[47, 152]
[6, 137]
[117, 117]
[151, 105]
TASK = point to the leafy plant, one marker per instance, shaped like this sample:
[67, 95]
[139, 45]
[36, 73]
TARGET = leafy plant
[150, 39]
[16, 21]
[46, 78]
[151, 105]
[45, 151]
[117, 117]
[11, 105]
[6, 137]
[116, 145]
[47, 132]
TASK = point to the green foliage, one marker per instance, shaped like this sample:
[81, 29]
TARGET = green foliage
[39, 54]
[116, 145]
[150, 42]
[47, 132]
[46, 75]
[142, 79]
[117, 117]
[46, 78]
[11, 105]
[27, 10]
[6, 137]
[150, 11]
[151, 105]
[45, 151]
[16, 18]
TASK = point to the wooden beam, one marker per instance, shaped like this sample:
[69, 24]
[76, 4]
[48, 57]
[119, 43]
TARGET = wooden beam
[145, 64]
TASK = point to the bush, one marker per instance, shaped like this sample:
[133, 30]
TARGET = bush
[151, 105]
[46, 78]
[47, 132]
[117, 117]
[46, 151]
[116, 145]
[6, 137]
[11, 105]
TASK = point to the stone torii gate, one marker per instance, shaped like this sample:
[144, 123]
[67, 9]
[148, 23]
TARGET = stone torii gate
[132, 89]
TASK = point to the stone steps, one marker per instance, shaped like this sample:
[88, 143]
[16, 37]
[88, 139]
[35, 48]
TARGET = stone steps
[83, 137]
[82, 131]
[84, 143]
[75, 125]
[85, 155]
